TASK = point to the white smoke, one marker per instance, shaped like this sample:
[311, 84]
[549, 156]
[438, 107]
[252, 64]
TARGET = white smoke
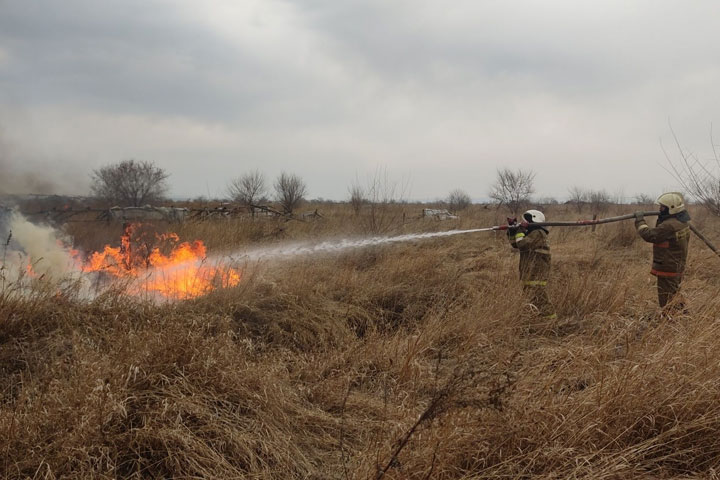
[38, 246]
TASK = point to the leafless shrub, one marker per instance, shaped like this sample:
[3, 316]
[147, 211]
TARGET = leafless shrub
[513, 188]
[248, 188]
[547, 201]
[578, 197]
[643, 199]
[699, 178]
[290, 191]
[458, 200]
[357, 197]
[130, 183]
[599, 201]
[384, 197]
[621, 235]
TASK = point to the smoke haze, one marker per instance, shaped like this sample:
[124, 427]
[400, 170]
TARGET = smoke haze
[22, 173]
[37, 245]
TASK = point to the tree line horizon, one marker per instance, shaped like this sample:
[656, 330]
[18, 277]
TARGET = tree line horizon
[134, 183]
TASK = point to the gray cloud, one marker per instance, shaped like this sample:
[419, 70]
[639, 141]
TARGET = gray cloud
[443, 93]
[138, 58]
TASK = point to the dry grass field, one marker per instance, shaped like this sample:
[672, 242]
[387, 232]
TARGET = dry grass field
[414, 360]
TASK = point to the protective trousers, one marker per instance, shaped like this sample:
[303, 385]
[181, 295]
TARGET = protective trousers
[536, 294]
[668, 293]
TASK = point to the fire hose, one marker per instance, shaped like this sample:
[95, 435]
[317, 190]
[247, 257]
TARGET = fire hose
[600, 221]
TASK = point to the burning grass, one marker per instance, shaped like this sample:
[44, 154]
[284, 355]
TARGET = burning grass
[180, 274]
[405, 361]
[145, 263]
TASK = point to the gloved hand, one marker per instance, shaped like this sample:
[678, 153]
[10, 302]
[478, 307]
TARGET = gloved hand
[515, 228]
[639, 216]
[512, 226]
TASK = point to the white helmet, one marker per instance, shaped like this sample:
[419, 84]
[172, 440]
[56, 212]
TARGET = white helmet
[534, 216]
[674, 201]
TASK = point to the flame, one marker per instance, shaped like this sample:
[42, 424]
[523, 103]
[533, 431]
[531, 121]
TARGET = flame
[30, 271]
[182, 273]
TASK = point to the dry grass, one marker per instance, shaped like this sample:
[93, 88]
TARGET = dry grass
[406, 361]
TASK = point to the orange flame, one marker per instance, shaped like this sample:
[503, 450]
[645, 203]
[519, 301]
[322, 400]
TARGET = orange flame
[181, 274]
[30, 271]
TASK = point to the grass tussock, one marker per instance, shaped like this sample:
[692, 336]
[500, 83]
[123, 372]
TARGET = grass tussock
[414, 360]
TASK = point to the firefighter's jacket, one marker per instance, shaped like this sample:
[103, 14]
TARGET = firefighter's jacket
[670, 239]
[534, 255]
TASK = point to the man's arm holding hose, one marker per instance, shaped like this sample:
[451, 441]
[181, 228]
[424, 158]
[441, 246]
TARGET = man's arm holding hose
[658, 234]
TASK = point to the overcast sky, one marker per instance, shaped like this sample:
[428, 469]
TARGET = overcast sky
[439, 93]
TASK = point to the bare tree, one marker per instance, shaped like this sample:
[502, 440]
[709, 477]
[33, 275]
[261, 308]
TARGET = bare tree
[385, 198]
[248, 188]
[458, 200]
[599, 201]
[643, 199]
[357, 197]
[130, 183]
[290, 191]
[701, 179]
[578, 197]
[513, 188]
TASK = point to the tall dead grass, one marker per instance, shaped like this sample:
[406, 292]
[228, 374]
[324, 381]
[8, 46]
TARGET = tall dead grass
[407, 361]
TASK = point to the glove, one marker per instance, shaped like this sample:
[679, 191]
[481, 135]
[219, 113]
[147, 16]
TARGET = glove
[639, 216]
[514, 229]
[512, 226]
[524, 225]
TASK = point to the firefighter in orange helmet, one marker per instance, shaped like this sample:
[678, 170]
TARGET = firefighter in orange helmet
[670, 239]
[534, 248]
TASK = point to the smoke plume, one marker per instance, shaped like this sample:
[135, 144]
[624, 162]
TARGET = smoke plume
[27, 244]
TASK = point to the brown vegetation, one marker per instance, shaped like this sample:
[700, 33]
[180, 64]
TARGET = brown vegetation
[414, 360]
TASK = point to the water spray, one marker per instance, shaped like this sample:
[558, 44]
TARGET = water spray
[346, 244]
[337, 246]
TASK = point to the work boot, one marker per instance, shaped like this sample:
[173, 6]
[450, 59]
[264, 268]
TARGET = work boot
[674, 308]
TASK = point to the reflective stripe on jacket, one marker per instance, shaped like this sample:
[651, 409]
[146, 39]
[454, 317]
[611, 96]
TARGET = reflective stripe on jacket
[670, 241]
[534, 256]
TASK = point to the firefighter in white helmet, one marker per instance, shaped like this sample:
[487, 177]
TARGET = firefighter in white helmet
[670, 239]
[532, 241]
